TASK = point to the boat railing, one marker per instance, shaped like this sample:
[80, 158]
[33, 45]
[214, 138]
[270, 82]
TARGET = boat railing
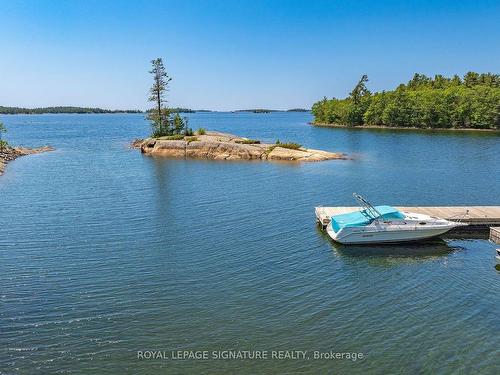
[367, 207]
[460, 216]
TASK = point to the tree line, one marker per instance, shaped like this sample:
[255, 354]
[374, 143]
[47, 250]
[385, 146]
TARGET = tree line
[471, 101]
[60, 109]
[265, 110]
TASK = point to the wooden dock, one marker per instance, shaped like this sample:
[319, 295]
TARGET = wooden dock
[495, 234]
[478, 217]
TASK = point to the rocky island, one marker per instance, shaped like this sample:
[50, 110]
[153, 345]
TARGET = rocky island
[9, 153]
[223, 146]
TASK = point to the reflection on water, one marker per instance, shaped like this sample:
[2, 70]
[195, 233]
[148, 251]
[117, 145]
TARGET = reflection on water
[429, 248]
[396, 253]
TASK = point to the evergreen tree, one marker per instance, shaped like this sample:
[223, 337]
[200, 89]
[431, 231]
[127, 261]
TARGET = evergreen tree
[359, 100]
[471, 79]
[179, 124]
[160, 115]
[359, 90]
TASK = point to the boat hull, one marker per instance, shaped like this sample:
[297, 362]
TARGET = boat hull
[389, 236]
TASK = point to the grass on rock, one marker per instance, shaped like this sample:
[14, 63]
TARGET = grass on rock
[248, 141]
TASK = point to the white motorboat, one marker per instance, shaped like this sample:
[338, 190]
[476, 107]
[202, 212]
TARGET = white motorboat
[385, 224]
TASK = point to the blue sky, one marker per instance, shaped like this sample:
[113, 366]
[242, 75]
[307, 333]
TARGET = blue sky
[228, 55]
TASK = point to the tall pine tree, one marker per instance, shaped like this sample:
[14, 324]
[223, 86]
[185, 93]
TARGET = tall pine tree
[160, 115]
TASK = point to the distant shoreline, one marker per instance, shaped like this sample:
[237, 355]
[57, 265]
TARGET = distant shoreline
[100, 111]
[382, 127]
[72, 113]
[61, 110]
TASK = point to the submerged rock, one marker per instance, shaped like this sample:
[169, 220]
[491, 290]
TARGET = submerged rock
[222, 146]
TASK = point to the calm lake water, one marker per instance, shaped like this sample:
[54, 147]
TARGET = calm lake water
[105, 252]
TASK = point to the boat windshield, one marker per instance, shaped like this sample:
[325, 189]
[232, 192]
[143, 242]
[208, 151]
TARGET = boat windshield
[365, 217]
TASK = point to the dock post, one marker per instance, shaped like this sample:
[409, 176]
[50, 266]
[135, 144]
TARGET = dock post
[495, 234]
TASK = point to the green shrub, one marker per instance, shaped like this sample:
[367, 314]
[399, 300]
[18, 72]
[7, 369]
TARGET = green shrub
[201, 131]
[191, 139]
[248, 141]
[3, 129]
[270, 149]
[290, 145]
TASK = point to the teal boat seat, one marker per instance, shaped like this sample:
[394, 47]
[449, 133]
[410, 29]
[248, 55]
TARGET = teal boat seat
[362, 218]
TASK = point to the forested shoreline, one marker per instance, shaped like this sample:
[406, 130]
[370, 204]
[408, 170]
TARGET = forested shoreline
[60, 109]
[471, 102]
